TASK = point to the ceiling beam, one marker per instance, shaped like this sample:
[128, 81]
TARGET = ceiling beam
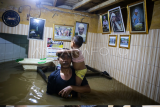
[54, 3]
[103, 5]
[80, 4]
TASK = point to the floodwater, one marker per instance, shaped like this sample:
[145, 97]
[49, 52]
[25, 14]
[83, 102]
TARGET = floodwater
[18, 87]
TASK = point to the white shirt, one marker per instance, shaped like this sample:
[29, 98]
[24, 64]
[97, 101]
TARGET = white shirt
[118, 26]
[106, 23]
[83, 36]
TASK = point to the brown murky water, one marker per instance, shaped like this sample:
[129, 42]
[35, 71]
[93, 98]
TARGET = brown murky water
[18, 87]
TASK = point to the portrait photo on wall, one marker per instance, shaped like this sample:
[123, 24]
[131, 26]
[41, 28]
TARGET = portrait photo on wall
[138, 17]
[105, 23]
[112, 40]
[62, 32]
[116, 20]
[124, 41]
[36, 28]
[81, 29]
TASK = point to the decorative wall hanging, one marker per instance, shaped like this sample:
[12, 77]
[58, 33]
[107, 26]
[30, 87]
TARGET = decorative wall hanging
[116, 20]
[11, 18]
[124, 41]
[62, 32]
[137, 14]
[112, 40]
[36, 28]
[81, 29]
[105, 23]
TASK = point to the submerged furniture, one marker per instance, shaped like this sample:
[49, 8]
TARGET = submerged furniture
[52, 69]
[105, 74]
[32, 64]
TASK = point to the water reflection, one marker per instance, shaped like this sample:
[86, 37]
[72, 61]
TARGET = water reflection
[35, 93]
[33, 100]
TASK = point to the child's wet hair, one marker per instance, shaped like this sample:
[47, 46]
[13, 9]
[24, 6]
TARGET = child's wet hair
[78, 40]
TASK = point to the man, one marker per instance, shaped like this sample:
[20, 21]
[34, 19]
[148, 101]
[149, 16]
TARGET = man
[81, 32]
[115, 25]
[137, 25]
[135, 18]
[105, 25]
[62, 82]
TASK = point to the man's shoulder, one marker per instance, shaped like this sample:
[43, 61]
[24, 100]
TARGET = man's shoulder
[83, 35]
[54, 74]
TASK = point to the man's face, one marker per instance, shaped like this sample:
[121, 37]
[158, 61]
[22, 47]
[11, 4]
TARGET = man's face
[65, 60]
[113, 18]
[81, 30]
[136, 13]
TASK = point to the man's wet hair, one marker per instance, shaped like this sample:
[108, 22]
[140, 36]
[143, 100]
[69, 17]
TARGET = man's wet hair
[61, 53]
[78, 41]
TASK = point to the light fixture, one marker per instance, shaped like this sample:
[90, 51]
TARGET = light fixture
[36, 20]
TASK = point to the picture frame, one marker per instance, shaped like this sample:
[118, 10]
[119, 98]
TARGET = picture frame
[137, 15]
[116, 20]
[81, 29]
[105, 23]
[112, 41]
[36, 28]
[62, 32]
[124, 41]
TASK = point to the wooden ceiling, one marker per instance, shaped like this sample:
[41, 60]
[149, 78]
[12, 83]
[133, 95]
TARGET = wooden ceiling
[91, 6]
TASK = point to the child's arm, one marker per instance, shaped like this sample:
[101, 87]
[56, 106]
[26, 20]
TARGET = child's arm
[75, 52]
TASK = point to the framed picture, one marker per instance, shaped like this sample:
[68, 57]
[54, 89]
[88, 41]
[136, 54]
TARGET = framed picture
[62, 33]
[116, 20]
[112, 40]
[81, 29]
[124, 41]
[36, 28]
[105, 23]
[137, 14]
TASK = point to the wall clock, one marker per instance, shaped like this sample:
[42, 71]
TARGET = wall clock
[11, 18]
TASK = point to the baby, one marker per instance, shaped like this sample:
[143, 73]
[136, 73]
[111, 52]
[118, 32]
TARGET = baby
[77, 59]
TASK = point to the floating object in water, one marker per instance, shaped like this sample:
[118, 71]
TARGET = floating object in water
[32, 64]
[101, 73]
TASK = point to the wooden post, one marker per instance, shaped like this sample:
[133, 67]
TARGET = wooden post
[80, 4]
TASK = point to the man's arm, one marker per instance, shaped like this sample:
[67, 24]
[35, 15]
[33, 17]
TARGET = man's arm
[84, 88]
[49, 87]
[75, 52]
[80, 89]
[50, 84]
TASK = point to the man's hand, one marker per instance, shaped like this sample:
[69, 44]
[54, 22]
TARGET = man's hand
[65, 92]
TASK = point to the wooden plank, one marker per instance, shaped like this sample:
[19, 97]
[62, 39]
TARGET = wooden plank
[54, 2]
[103, 5]
[80, 4]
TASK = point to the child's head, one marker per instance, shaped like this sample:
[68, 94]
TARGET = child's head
[76, 42]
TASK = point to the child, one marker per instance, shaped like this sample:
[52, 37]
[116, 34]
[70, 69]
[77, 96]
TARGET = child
[77, 59]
